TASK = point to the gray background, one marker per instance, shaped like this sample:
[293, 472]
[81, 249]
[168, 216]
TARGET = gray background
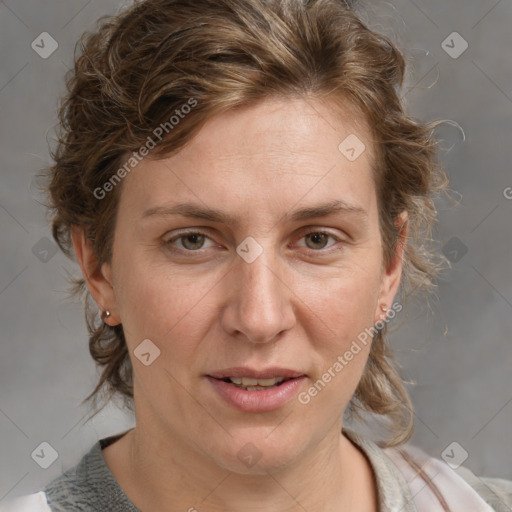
[458, 350]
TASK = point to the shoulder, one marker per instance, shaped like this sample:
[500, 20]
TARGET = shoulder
[69, 491]
[496, 491]
[81, 486]
[434, 481]
[89, 486]
[30, 503]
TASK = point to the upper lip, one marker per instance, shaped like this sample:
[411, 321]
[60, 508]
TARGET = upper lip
[266, 373]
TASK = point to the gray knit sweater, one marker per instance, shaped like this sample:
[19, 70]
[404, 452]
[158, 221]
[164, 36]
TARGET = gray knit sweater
[89, 486]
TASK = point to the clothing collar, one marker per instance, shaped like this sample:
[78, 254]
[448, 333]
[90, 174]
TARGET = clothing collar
[393, 492]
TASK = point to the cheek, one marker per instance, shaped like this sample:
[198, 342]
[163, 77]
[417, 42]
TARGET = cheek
[347, 304]
[163, 304]
[344, 313]
[341, 332]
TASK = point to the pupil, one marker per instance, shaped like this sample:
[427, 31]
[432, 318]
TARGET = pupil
[316, 236]
[194, 237]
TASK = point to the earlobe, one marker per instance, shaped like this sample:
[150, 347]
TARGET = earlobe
[97, 276]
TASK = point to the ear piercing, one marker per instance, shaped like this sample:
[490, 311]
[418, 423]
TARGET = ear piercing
[105, 314]
[384, 308]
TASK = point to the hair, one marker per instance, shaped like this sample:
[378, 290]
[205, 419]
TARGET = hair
[144, 63]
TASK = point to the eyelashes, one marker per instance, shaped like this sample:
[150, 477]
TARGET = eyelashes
[192, 242]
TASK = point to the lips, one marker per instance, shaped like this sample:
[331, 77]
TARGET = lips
[251, 390]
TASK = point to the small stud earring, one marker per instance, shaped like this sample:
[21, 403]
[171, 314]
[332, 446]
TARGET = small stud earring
[105, 314]
[384, 308]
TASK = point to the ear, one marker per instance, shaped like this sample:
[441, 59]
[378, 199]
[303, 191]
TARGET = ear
[391, 276]
[97, 277]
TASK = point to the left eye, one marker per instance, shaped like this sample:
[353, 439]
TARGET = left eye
[319, 237]
[194, 240]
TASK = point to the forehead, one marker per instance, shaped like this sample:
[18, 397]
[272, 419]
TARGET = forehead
[277, 152]
[286, 130]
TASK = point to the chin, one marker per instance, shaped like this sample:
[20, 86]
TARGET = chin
[256, 452]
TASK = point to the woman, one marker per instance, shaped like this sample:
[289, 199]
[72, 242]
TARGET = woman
[245, 197]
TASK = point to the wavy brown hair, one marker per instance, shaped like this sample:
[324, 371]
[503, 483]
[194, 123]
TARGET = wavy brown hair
[142, 64]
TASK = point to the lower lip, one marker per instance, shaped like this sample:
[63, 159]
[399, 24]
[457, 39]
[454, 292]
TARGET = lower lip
[260, 400]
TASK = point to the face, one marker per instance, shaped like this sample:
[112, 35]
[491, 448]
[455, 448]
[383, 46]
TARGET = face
[269, 289]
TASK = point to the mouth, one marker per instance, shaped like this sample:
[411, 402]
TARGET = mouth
[256, 390]
[250, 384]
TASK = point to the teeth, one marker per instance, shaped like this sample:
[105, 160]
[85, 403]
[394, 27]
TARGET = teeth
[246, 381]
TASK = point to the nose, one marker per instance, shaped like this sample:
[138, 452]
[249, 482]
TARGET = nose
[260, 302]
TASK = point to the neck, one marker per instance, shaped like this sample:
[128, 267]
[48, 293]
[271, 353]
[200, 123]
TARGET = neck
[155, 470]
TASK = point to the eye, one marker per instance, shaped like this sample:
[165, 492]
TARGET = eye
[191, 241]
[318, 240]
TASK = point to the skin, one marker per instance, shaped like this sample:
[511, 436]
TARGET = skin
[299, 305]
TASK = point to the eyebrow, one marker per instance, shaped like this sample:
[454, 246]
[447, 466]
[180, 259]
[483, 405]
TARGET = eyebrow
[213, 215]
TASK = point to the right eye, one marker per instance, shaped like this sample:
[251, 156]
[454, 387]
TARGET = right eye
[191, 241]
